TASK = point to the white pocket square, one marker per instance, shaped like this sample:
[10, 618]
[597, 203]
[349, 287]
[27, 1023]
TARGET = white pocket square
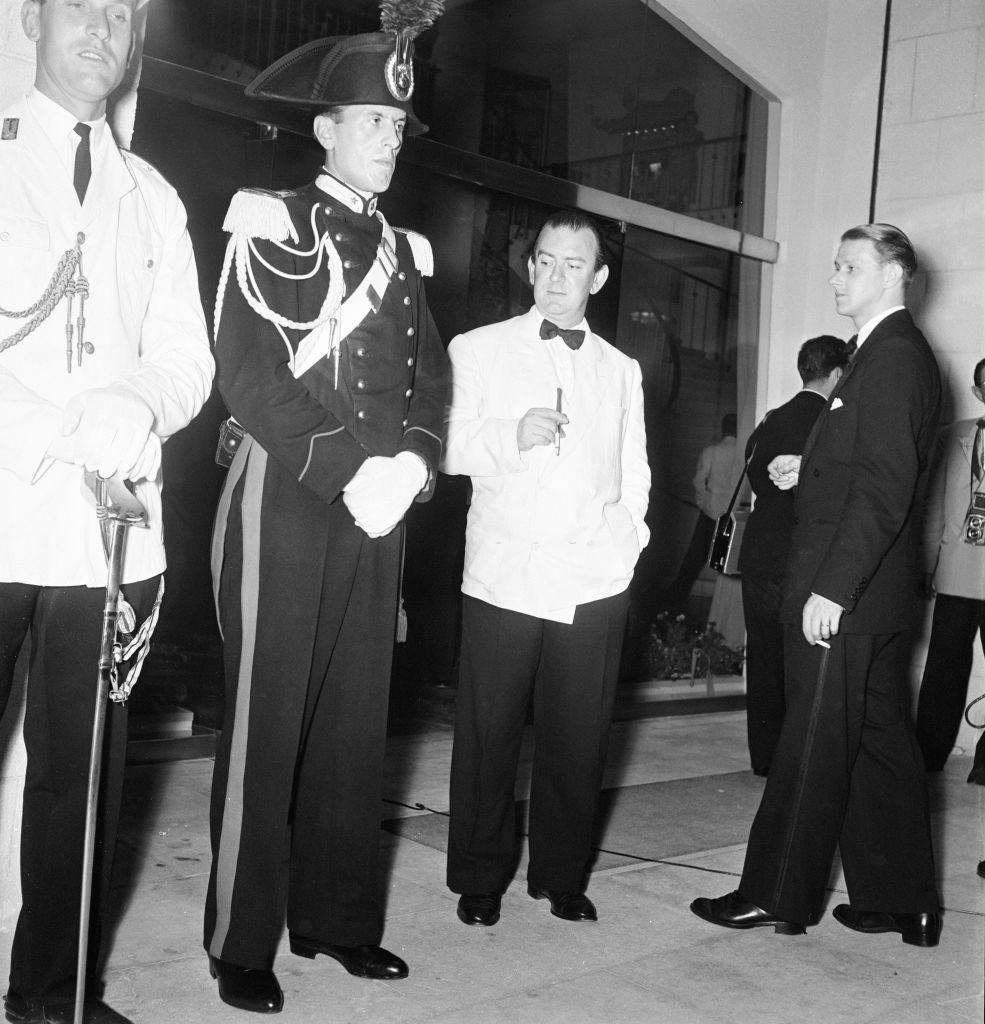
[836, 404]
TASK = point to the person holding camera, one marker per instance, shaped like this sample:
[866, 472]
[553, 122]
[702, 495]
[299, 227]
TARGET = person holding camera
[955, 548]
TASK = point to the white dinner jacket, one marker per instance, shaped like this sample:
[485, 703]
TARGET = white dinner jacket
[143, 316]
[547, 532]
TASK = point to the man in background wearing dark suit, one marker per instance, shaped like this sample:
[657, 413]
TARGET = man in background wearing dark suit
[847, 770]
[763, 556]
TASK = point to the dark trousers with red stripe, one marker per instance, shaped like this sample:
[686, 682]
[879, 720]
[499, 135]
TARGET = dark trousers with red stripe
[65, 624]
[298, 773]
[847, 773]
[571, 672]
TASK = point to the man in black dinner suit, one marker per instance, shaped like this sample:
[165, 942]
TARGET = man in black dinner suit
[766, 543]
[847, 769]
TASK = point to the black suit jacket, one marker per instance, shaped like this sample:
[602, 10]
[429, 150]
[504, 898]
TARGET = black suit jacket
[784, 431]
[862, 476]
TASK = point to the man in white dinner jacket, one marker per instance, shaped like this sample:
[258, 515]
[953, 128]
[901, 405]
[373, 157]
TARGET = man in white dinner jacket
[103, 355]
[547, 420]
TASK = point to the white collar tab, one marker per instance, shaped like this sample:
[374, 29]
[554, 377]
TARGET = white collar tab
[346, 195]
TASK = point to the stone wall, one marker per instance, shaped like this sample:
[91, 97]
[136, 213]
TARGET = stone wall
[932, 183]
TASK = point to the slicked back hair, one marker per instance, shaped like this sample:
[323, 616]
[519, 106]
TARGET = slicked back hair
[890, 243]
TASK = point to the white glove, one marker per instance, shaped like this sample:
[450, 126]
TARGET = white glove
[382, 490]
[148, 463]
[109, 430]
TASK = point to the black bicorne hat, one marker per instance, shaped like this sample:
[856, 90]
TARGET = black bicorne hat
[374, 68]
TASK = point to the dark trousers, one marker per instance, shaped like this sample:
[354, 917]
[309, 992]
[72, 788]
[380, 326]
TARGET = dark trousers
[847, 772]
[944, 688]
[65, 625]
[295, 816]
[676, 595]
[571, 671]
[765, 701]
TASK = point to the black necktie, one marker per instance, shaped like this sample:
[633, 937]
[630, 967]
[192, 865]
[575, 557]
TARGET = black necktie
[852, 345]
[83, 160]
[570, 337]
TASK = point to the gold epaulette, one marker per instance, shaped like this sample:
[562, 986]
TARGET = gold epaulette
[421, 250]
[258, 213]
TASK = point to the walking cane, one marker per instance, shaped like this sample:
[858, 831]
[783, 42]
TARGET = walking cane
[117, 510]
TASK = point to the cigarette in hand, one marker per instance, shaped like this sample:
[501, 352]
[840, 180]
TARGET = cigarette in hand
[557, 434]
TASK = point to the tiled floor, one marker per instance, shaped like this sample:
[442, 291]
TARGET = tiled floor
[647, 961]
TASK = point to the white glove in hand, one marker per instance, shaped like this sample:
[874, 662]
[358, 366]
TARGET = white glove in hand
[382, 490]
[108, 430]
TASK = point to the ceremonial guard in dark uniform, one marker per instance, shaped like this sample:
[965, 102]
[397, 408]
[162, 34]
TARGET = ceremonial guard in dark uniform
[329, 359]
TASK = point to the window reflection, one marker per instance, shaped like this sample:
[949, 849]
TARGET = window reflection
[606, 95]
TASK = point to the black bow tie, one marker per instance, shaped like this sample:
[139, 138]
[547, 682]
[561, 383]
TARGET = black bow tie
[571, 338]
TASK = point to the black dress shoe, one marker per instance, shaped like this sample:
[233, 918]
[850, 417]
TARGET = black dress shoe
[247, 988]
[569, 906]
[362, 961]
[916, 929]
[44, 1010]
[981, 869]
[732, 911]
[479, 908]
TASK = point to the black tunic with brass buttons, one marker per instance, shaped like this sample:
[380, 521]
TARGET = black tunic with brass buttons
[390, 390]
[307, 601]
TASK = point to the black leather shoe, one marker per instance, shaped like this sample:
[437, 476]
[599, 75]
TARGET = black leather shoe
[247, 988]
[19, 1010]
[479, 908]
[732, 911]
[916, 929]
[362, 961]
[981, 869]
[569, 906]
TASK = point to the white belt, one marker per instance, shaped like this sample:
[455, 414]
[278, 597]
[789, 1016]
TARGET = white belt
[327, 337]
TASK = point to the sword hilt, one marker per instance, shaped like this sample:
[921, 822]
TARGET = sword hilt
[115, 501]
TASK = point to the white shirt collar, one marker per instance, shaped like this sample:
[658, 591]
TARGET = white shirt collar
[868, 327]
[356, 201]
[58, 124]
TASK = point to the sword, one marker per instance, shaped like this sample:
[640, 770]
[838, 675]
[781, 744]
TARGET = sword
[117, 510]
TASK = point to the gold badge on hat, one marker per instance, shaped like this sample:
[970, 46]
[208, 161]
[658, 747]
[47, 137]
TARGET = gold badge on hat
[405, 19]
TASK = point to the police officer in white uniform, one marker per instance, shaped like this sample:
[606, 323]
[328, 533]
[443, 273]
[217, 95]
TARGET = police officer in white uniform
[103, 355]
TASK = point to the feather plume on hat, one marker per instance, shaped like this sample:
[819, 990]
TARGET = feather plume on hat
[405, 20]
[409, 18]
